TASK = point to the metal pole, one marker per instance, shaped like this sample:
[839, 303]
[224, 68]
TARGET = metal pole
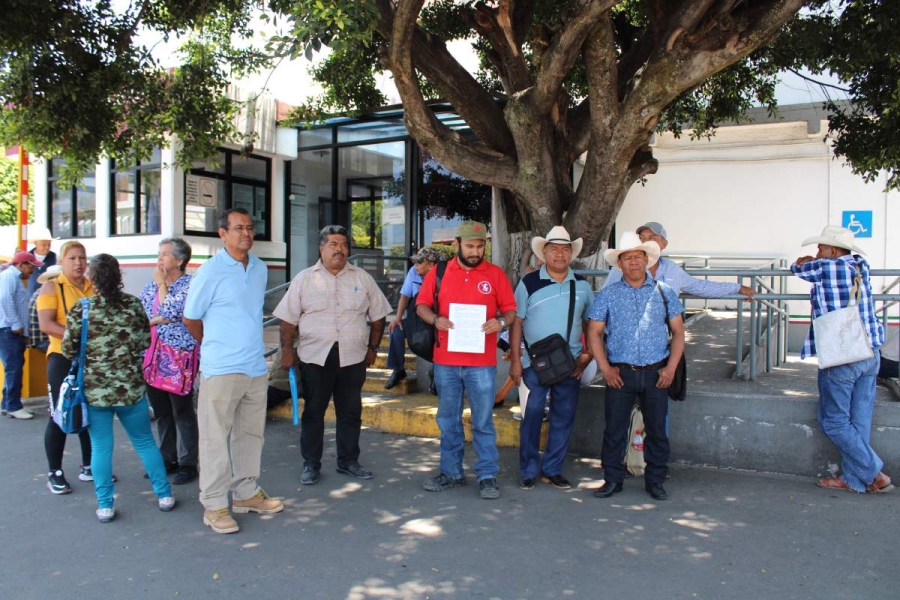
[22, 213]
[753, 319]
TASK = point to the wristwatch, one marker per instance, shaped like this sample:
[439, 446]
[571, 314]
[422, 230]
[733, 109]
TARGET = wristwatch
[502, 323]
[372, 347]
[435, 320]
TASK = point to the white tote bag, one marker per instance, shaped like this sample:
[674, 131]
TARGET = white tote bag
[840, 335]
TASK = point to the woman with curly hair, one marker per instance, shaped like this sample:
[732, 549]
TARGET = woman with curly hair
[118, 334]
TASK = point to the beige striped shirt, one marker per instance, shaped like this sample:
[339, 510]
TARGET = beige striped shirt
[332, 308]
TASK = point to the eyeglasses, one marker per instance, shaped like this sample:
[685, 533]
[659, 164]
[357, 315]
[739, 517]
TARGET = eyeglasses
[242, 228]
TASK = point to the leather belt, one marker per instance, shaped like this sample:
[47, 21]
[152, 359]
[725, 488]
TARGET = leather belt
[656, 365]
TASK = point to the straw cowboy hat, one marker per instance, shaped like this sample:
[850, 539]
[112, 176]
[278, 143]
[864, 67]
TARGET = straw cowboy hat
[631, 241]
[52, 272]
[839, 237]
[40, 234]
[557, 235]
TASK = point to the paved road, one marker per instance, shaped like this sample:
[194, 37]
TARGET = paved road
[723, 535]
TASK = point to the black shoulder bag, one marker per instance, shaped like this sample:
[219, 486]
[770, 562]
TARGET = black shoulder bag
[678, 388]
[420, 336]
[551, 357]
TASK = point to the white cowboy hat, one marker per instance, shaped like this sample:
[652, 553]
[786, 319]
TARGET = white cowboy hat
[832, 235]
[557, 235]
[52, 272]
[631, 241]
[40, 233]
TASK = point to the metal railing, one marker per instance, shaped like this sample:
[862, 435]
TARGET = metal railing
[769, 315]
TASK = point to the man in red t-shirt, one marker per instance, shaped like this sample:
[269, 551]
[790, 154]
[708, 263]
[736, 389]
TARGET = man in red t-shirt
[465, 355]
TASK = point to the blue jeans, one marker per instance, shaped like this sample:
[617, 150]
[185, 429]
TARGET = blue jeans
[846, 403]
[136, 421]
[478, 384]
[638, 386]
[12, 354]
[562, 419]
[396, 360]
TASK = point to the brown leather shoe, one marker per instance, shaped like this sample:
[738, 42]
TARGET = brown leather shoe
[220, 521]
[835, 483]
[260, 503]
[881, 484]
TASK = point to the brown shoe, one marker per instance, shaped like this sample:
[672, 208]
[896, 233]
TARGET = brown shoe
[260, 503]
[835, 483]
[881, 484]
[220, 521]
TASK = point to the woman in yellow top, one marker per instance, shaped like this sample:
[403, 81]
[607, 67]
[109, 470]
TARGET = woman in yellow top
[57, 297]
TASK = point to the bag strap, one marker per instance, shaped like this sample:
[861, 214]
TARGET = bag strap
[441, 269]
[82, 350]
[62, 292]
[665, 308]
[856, 290]
[571, 316]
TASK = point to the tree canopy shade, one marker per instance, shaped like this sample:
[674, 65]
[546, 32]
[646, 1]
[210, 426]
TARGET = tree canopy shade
[558, 79]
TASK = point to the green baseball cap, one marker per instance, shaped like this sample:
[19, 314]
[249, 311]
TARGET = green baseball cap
[471, 230]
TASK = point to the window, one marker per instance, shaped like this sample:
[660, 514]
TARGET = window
[234, 182]
[72, 209]
[135, 196]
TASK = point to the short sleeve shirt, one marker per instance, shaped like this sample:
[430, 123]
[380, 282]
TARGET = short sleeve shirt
[636, 321]
[487, 285]
[411, 284]
[228, 299]
[329, 308]
[57, 303]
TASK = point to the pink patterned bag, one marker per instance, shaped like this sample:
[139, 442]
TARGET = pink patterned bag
[167, 368]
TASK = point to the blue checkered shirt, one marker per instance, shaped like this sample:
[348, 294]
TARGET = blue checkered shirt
[832, 280]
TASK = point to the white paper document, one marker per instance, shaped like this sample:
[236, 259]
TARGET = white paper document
[466, 335]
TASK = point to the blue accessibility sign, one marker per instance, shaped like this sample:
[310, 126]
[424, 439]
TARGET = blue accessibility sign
[859, 222]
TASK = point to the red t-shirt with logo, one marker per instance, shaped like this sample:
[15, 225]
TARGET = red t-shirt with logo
[486, 284]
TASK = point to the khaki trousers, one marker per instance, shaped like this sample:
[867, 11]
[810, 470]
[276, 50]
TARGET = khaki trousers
[232, 419]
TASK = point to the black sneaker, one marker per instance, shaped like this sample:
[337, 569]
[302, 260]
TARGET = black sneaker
[57, 484]
[185, 474]
[170, 468]
[489, 489]
[310, 475]
[87, 475]
[443, 482]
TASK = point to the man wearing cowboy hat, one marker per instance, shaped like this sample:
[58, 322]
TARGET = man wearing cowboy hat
[673, 275]
[637, 361]
[13, 320]
[542, 310]
[846, 392]
[41, 239]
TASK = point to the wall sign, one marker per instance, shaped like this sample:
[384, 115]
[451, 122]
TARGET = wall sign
[859, 222]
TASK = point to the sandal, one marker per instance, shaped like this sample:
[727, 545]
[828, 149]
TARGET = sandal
[834, 483]
[881, 484]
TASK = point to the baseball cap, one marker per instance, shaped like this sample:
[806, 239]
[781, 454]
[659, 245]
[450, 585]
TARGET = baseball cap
[426, 253]
[471, 230]
[23, 256]
[655, 227]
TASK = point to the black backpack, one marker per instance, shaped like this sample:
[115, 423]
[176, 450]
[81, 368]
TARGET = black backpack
[420, 336]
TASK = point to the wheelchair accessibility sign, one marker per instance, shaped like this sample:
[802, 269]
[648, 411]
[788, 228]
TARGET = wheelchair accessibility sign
[859, 222]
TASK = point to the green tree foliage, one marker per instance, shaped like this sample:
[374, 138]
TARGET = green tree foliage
[558, 79]
[9, 193]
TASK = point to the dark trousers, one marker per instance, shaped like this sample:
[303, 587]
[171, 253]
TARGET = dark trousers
[562, 419]
[320, 384]
[54, 438]
[176, 426]
[889, 368]
[397, 350]
[12, 354]
[638, 386]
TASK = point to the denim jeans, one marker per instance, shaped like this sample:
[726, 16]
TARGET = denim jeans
[135, 419]
[562, 419]
[846, 403]
[478, 384]
[397, 350]
[12, 354]
[638, 386]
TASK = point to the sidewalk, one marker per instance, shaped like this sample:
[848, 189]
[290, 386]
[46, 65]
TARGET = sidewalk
[724, 535]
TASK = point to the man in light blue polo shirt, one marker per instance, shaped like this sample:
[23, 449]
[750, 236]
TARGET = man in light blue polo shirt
[224, 310]
[542, 309]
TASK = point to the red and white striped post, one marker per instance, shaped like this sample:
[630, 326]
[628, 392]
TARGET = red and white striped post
[23, 199]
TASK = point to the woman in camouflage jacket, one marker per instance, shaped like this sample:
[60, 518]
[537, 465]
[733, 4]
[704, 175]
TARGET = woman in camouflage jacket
[118, 334]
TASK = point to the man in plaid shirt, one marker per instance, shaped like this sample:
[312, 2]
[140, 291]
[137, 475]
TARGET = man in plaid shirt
[846, 392]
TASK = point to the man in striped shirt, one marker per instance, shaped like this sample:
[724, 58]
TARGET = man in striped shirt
[846, 392]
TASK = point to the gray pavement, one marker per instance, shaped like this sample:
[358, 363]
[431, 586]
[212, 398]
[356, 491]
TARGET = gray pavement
[724, 534]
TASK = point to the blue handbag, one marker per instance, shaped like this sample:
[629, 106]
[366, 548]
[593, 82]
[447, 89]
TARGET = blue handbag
[70, 412]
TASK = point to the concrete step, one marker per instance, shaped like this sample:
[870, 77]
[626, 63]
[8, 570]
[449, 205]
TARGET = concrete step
[376, 378]
[414, 414]
[409, 361]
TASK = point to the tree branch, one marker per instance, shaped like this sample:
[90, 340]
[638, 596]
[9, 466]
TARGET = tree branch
[562, 53]
[496, 25]
[472, 160]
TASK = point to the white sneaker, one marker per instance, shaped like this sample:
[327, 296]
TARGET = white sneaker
[105, 515]
[20, 414]
[166, 503]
